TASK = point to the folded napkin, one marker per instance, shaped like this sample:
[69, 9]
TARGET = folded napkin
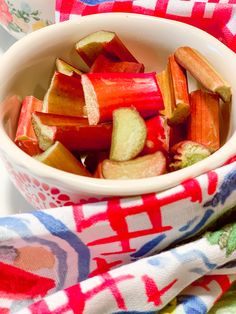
[104, 246]
[146, 254]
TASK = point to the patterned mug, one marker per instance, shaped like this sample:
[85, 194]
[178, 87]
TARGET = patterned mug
[20, 17]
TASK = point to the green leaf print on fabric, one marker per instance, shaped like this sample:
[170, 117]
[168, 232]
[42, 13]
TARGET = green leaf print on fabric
[225, 238]
[227, 303]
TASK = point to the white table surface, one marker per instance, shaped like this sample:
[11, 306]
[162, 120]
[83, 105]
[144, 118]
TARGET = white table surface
[11, 201]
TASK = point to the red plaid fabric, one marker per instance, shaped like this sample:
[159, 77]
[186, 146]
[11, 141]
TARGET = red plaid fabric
[217, 17]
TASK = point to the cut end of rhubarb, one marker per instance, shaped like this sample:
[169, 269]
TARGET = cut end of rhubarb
[187, 153]
[142, 167]
[224, 92]
[44, 133]
[91, 46]
[128, 135]
[66, 68]
[103, 42]
[91, 102]
[97, 37]
[180, 114]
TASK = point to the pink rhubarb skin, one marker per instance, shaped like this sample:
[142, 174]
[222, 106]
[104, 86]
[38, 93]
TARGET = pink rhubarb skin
[110, 46]
[105, 92]
[25, 137]
[73, 132]
[104, 65]
[65, 96]
[158, 135]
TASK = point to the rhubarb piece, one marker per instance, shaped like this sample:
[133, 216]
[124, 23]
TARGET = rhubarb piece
[167, 94]
[142, 167]
[128, 135]
[105, 92]
[179, 84]
[57, 156]
[158, 135]
[103, 42]
[92, 160]
[66, 68]
[30, 147]
[187, 153]
[65, 96]
[25, 137]
[174, 87]
[105, 65]
[200, 68]
[203, 125]
[98, 173]
[178, 133]
[73, 132]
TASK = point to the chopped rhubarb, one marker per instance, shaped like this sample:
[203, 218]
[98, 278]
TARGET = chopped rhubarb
[178, 133]
[104, 65]
[167, 94]
[203, 125]
[128, 135]
[141, 167]
[158, 135]
[57, 156]
[187, 153]
[65, 96]
[25, 137]
[105, 92]
[73, 132]
[103, 42]
[174, 87]
[66, 68]
[92, 160]
[200, 68]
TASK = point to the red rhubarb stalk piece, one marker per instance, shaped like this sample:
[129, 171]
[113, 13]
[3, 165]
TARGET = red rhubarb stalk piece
[103, 42]
[105, 92]
[158, 135]
[178, 133]
[204, 121]
[104, 65]
[25, 137]
[204, 72]
[92, 160]
[65, 96]
[73, 132]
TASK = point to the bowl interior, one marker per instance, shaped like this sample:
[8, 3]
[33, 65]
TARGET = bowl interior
[26, 69]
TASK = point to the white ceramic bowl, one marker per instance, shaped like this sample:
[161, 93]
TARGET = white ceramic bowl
[27, 68]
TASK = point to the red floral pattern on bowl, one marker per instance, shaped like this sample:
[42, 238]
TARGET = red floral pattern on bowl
[41, 194]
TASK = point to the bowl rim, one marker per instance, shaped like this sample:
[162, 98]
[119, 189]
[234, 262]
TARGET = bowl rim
[107, 187]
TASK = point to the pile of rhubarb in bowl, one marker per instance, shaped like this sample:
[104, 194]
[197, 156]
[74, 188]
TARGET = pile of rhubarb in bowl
[118, 122]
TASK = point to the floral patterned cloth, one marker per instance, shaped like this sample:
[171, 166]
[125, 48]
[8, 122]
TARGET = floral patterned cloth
[105, 246]
[20, 17]
[128, 255]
